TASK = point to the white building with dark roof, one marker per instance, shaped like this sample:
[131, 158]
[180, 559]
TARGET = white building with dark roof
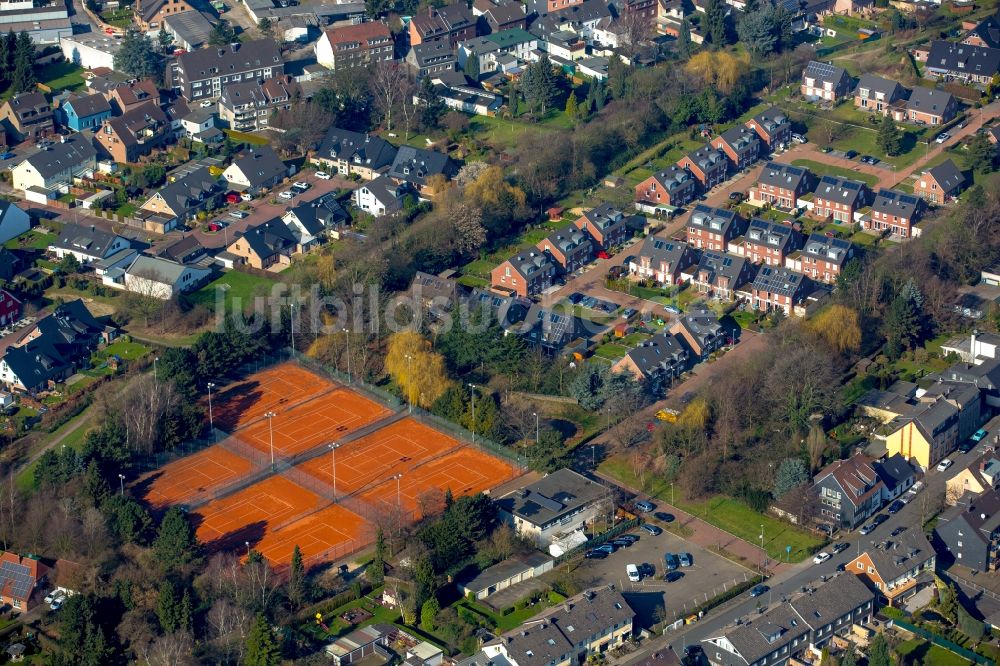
[560, 503]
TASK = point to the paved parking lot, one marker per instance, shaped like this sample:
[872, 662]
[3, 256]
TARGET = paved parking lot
[709, 575]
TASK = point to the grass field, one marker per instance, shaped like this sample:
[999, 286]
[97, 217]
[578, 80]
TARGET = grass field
[235, 285]
[62, 76]
[821, 169]
[611, 351]
[33, 240]
[128, 351]
[726, 513]
[918, 651]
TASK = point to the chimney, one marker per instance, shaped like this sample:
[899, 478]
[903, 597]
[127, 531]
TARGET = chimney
[972, 346]
[982, 465]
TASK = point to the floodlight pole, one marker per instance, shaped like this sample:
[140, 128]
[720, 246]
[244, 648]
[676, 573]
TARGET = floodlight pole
[270, 429]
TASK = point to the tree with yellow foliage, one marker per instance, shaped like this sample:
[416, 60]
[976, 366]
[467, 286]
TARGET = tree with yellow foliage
[419, 371]
[839, 326]
[719, 69]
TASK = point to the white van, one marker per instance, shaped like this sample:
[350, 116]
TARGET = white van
[633, 572]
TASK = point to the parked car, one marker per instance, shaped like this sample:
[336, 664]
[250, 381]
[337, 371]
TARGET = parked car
[899, 530]
[622, 543]
[647, 569]
[246, 196]
[966, 446]
[759, 590]
[736, 197]
[979, 435]
[51, 596]
[633, 573]
[608, 548]
[821, 557]
[238, 214]
[232, 198]
[672, 308]
[879, 519]
[944, 464]
[323, 175]
[664, 516]
[851, 154]
[896, 506]
[942, 137]
[868, 159]
[6, 155]
[798, 138]
[628, 313]
[286, 195]
[673, 576]
[300, 186]
[652, 529]
[629, 537]
[575, 298]
[840, 547]
[206, 103]
[595, 555]
[645, 506]
[685, 559]
[671, 561]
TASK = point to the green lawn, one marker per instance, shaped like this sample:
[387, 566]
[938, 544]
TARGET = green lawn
[726, 513]
[128, 351]
[127, 209]
[632, 339]
[479, 268]
[821, 169]
[337, 627]
[918, 651]
[611, 351]
[62, 76]
[473, 282]
[234, 285]
[33, 240]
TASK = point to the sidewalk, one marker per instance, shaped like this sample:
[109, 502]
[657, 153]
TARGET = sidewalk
[707, 535]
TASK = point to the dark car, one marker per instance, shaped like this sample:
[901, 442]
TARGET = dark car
[879, 519]
[575, 297]
[759, 590]
[851, 154]
[622, 543]
[595, 555]
[736, 197]
[665, 517]
[652, 529]
[632, 538]
[692, 650]
[607, 548]
[840, 547]
[896, 506]
[841, 567]
[671, 561]
[647, 569]
[674, 576]
[868, 159]
[966, 446]
[899, 530]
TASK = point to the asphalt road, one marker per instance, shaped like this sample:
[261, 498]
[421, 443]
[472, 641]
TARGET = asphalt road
[807, 572]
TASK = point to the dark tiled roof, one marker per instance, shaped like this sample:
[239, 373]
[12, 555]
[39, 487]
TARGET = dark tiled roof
[824, 72]
[663, 250]
[89, 240]
[560, 493]
[856, 476]
[896, 203]
[715, 220]
[674, 178]
[782, 175]
[963, 59]
[269, 238]
[778, 281]
[185, 193]
[771, 119]
[841, 190]
[720, 264]
[897, 555]
[877, 84]
[256, 54]
[261, 166]
[988, 30]
[74, 151]
[89, 105]
[739, 137]
[833, 250]
[369, 151]
[659, 352]
[416, 165]
[772, 234]
[947, 175]
[894, 470]
[929, 100]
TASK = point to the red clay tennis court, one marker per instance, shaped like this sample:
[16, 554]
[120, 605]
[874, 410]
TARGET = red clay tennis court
[466, 471]
[254, 511]
[318, 421]
[327, 534]
[184, 479]
[395, 448]
[272, 389]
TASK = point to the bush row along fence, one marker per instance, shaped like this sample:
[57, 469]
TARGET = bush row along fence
[710, 603]
[941, 642]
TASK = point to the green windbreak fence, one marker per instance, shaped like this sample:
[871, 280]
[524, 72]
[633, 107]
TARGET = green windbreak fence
[941, 642]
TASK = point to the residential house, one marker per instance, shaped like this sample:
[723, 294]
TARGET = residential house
[782, 185]
[127, 96]
[466, 98]
[358, 45]
[721, 275]
[202, 74]
[14, 221]
[569, 248]
[800, 626]
[420, 168]
[927, 106]
[982, 475]
[28, 116]
[584, 626]
[190, 30]
[497, 51]
[549, 329]
[187, 250]
[970, 531]
[381, 196]
[127, 137]
[364, 642]
[249, 105]
[767, 242]
[557, 504]
[155, 277]
[985, 33]
[313, 220]
[450, 24]
[824, 81]
[10, 263]
[437, 295]
[898, 567]
[430, 59]
[822, 257]
[713, 228]
[773, 127]
[84, 111]
[581, 18]
[878, 94]
[974, 348]
[849, 491]
[198, 125]
[266, 245]
[184, 197]
[150, 14]
[257, 169]
[741, 146]
[10, 309]
[985, 376]
[963, 396]
[701, 333]
[606, 226]
[839, 198]
[542, 7]
[663, 261]
[707, 165]
[500, 16]
[895, 212]
[673, 186]
[526, 275]
[661, 358]
[20, 579]
[505, 574]
[87, 244]
[348, 153]
[778, 288]
[924, 435]
[897, 476]
[993, 133]
[972, 64]
[941, 183]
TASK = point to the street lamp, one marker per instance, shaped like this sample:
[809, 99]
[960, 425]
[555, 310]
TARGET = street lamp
[291, 325]
[473, 387]
[399, 504]
[156, 376]
[762, 552]
[333, 455]
[672, 493]
[270, 429]
[535, 414]
[121, 482]
[347, 339]
[593, 455]
[211, 421]
[248, 549]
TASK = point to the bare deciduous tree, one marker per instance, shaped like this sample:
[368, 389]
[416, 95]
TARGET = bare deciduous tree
[176, 649]
[387, 82]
